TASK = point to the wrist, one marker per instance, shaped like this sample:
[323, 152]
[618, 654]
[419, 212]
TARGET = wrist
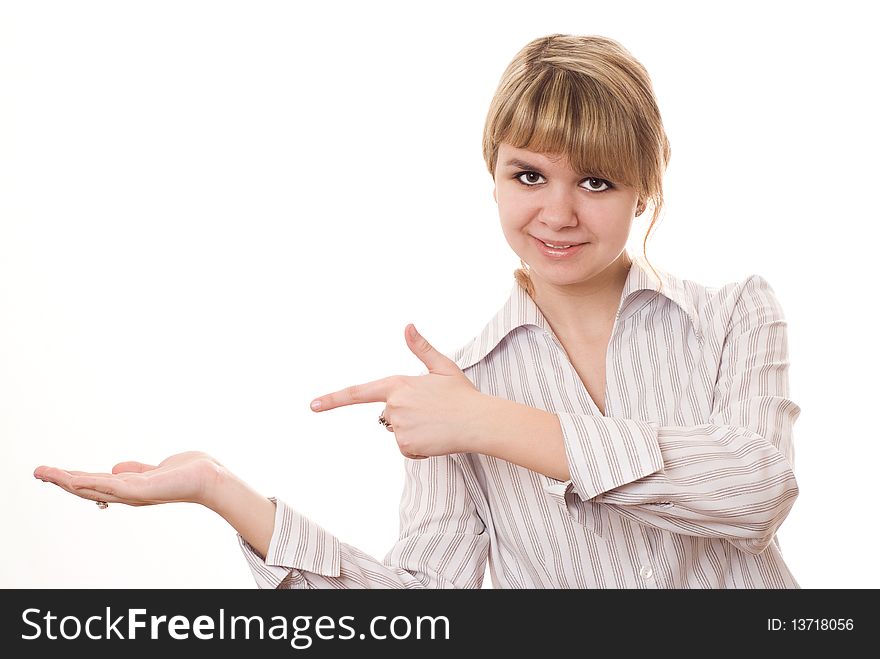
[246, 510]
[484, 427]
[524, 435]
[218, 482]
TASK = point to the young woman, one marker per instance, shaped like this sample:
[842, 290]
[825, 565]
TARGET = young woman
[611, 427]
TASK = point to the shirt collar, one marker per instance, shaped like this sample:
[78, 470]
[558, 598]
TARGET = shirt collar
[520, 310]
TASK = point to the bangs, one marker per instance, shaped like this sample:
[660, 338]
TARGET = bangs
[557, 112]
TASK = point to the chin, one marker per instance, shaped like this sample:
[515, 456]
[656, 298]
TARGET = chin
[571, 273]
[561, 279]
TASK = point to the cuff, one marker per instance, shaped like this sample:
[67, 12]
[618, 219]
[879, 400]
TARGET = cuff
[589, 514]
[606, 452]
[298, 545]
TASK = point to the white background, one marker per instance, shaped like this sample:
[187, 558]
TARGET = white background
[212, 212]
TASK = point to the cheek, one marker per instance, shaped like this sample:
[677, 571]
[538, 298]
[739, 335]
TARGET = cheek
[514, 226]
[514, 211]
[514, 234]
[610, 221]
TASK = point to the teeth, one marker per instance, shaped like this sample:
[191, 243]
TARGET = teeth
[557, 246]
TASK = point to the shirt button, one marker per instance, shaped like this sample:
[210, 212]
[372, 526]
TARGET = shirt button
[646, 572]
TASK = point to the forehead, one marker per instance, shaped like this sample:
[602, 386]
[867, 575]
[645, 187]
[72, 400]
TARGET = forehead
[549, 161]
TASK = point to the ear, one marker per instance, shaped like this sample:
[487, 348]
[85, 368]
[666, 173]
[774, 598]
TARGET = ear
[495, 193]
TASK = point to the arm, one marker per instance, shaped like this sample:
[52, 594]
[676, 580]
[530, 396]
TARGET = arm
[442, 540]
[251, 514]
[729, 478]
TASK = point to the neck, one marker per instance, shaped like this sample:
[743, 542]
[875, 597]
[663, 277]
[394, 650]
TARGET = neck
[585, 311]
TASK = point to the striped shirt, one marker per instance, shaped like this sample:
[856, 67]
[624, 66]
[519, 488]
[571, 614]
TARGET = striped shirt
[682, 483]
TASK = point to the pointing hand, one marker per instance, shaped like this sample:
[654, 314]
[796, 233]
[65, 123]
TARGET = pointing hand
[432, 414]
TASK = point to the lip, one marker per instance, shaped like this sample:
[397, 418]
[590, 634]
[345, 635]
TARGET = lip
[558, 253]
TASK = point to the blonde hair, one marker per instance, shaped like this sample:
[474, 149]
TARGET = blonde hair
[589, 99]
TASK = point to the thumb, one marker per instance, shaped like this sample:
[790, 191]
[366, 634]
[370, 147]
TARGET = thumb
[436, 361]
[132, 467]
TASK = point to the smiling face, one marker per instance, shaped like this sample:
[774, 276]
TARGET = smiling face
[542, 200]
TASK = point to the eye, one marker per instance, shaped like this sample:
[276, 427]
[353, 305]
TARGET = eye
[590, 182]
[529, 178]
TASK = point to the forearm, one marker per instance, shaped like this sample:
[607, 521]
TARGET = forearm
[523, 435]
[251, 514]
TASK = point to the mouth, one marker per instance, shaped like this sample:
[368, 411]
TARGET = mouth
[558, 245]
[557, 250]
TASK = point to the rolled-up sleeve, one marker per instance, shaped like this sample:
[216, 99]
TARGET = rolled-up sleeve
[442, 543]
[731, 477]
[297, 545]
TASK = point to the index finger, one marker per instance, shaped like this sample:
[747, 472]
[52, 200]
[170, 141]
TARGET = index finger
[80, 483]
[61, 476]
[370, 392]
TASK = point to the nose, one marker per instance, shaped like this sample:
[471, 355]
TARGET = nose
[559, 208]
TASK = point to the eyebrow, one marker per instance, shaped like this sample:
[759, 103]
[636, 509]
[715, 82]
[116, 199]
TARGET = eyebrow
[522, 164]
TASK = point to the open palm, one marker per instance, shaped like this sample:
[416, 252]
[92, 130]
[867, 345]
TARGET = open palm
[183, 477]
